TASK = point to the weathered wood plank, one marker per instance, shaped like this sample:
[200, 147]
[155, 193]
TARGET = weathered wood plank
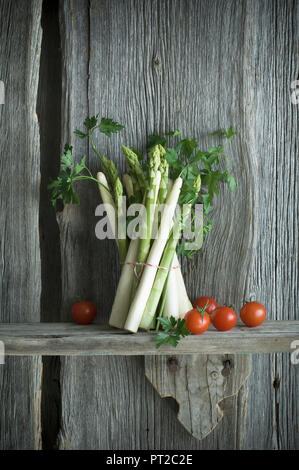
[20, 284]
[82, 257]
[198, 386]
[275, 272]
[69, 339]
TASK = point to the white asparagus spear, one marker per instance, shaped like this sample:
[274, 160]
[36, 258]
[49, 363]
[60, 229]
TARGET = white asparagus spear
[184, 304]
[149, 273]
[177, 300]
[171, 306]
[122, 298]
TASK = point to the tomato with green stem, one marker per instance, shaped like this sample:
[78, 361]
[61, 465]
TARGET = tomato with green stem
[207, 302]
[197, 321]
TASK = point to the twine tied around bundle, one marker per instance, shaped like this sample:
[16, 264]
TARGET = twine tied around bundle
[136, 263]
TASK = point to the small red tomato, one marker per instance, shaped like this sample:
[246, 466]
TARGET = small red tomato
[224, 318]
[83, 312]
[197, 323]
[253, 313]
[201, 302]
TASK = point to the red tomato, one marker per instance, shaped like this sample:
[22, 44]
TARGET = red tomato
[197, 323]
[253, 314]
[201, 302]
[224, 318]
[83, 312]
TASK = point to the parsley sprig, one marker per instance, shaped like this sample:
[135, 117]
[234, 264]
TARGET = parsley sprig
[188, 161]
[63, 186]
[173, 331]
[106, 126]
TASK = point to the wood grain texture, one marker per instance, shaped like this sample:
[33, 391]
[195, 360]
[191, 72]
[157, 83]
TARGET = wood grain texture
[198, 66]
[68, 339]
[198, 385]
[275, 272]
[20, 283]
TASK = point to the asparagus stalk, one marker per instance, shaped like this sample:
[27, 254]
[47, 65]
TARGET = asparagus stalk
[110, 171]
[171, 289]
[127, 180]
[108, 202]
[122, 242]
[157, 289]
[148, 277]
[184, 304]
[164, 169]
[114, 183]
[136, 173]
[122, 299]
[171, 306]
[150, 203]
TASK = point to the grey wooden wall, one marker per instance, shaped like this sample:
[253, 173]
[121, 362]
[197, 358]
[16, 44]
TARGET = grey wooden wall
[154, 66]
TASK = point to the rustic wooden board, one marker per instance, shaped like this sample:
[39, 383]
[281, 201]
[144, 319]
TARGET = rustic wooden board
[275, 272]
[20, 283]
[69, 339]
[198, 66]
[198, 384]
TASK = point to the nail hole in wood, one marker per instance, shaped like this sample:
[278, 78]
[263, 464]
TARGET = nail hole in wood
[214, 375]
[227, 368]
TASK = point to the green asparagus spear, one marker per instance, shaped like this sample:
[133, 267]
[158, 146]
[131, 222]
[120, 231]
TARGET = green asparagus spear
[136, 172]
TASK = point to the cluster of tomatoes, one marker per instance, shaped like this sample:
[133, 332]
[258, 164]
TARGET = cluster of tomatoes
[206, 311]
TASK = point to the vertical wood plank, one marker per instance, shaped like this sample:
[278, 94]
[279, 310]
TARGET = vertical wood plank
[275, 273]
[20, 286]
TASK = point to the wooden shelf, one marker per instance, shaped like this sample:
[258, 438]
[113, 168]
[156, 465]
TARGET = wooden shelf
[69, 339]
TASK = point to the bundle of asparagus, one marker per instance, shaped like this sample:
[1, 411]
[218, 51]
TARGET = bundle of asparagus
[168, 178]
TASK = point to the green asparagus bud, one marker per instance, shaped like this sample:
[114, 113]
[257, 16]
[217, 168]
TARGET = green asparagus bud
[164, 169]
[197, 183]
[118, 193]
[135, 168]
[162, 150]
[109, 170]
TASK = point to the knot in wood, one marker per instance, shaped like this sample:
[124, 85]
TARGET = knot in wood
[156, 61]
[172, 364]
[227, 368]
